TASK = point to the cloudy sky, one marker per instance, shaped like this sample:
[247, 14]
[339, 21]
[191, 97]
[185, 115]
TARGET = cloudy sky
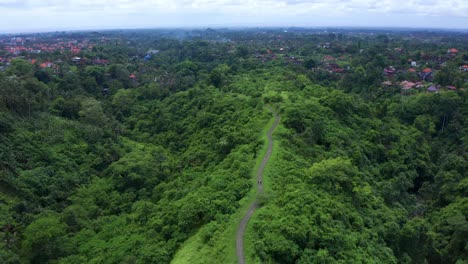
[38, 15]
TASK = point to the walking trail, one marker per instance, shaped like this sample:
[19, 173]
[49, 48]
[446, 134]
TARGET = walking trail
[254, 205]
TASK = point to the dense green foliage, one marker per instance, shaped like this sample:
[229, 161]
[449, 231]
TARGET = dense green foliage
[359, 174]
[367, 183]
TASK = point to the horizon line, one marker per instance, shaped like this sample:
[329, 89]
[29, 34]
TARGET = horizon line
[234, 27]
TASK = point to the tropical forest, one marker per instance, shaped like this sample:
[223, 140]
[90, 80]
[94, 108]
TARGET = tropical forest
[224, 145]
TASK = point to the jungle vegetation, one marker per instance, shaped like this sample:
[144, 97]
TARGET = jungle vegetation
[100, 167]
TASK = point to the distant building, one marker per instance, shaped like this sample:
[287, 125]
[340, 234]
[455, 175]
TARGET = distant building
[389, 70]
[74, 50]
[100, 62]
[426, 75]
[419, 85]
[133, 78]
[387, 83]
[452, 51]
[451, 87]
[326, 45]
[152, 51]
[46, 64]
[406, 85]
[432, 89]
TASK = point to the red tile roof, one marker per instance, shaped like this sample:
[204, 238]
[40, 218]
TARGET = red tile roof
[338, 70]
[46, 64]
[132, 76]
[452, 50]
[407, 85]
[427, 70]
[75, 50]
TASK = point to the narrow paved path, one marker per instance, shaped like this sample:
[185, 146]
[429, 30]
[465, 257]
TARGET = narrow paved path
[253, 206]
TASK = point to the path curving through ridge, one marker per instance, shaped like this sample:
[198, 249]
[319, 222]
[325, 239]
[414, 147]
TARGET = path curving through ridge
[254, 205]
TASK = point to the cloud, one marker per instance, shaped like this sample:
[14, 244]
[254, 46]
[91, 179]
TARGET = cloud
[12, 4]
[117, 13]
[432, 7]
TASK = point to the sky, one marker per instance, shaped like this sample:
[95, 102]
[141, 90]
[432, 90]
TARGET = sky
[51, 15]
